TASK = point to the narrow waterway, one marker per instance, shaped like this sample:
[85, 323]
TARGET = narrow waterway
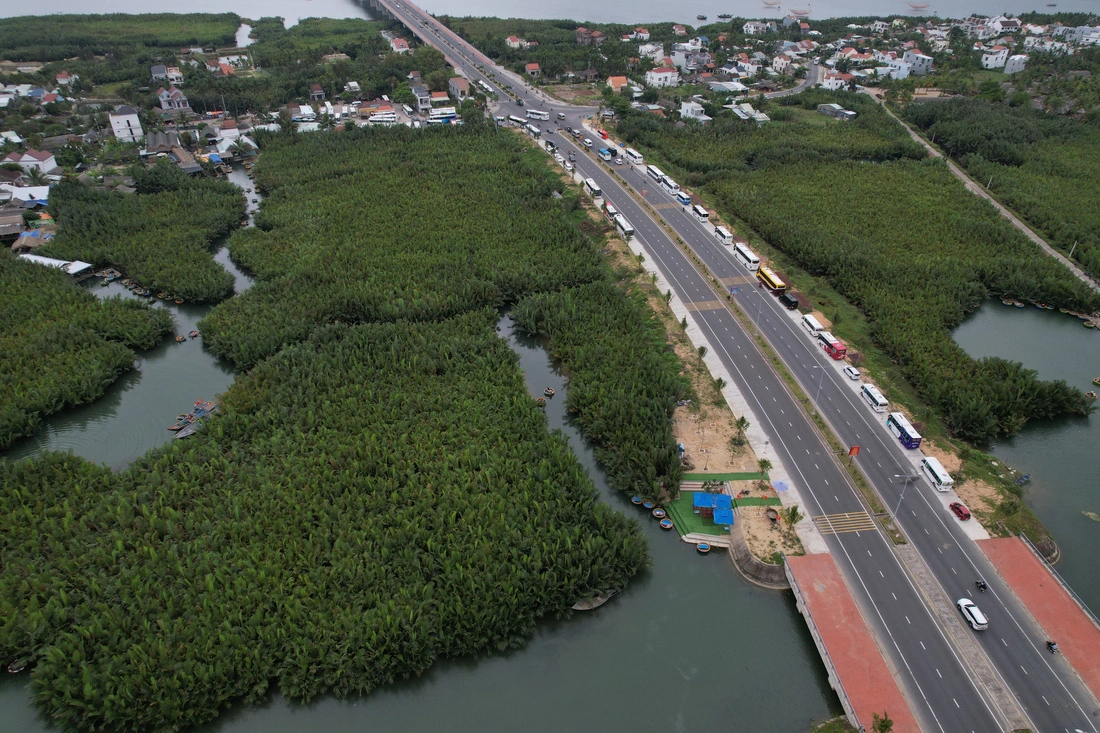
[688, 646]
[1061, 455]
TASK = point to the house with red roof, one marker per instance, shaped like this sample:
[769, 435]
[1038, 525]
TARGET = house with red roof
[399, 45]
[533, 70]
[65, 78]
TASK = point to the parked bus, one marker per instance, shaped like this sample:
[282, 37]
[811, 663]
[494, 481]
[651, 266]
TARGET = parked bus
[771, 281]
[633, 156]
[604, 154]
[591, 188]
[744, 255]
[655, 173]
[700, 213]
[874, 398]
[934, 470]
[833, 346]
[811, 324]
[902, 430]
[488, 89]
[610, 210]
[671, 186]
[682, 198]
[517, 121]
[724, 236]
[624, 227]
[533, 131]
[537, 114]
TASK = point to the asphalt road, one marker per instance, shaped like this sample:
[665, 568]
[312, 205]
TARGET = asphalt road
[927, 665]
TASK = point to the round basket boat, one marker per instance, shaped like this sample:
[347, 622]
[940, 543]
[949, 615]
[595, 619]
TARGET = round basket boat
[659, 513]
[666, 524]
[541, 402]
[702, 548]
[648, 504]
[636, 500]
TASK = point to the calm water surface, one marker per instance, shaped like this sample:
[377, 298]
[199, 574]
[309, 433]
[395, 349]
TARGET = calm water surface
[1061, 455]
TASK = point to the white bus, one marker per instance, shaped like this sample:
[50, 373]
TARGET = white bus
[488, 89]
[655, 173]
[610, 210]
[625, 230]
[934, 470]
[682, 198]
[633, 156]
[533, 131]
[537, 114]
[874, 398]
[517, 121]
[724, 236]
[746, 257]
[591, 188]
[700, 213]
[903, 430]
[812, 325]
[671, 186]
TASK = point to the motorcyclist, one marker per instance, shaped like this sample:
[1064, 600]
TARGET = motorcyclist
[1051, 646]
[982, 586]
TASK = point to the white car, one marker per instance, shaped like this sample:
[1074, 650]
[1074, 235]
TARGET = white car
[588, 143]
[972, 614]
[852, 373]
[558, 157]
[568, 166]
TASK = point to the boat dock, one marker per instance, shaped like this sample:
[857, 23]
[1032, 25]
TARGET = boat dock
[857, 670]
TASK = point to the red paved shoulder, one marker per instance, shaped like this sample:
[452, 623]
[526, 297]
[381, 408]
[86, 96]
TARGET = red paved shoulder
[1052, 606]
[863, 674]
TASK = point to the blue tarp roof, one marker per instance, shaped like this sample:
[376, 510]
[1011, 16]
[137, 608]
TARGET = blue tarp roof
[723, 516]
[215, 158]
[711, 501]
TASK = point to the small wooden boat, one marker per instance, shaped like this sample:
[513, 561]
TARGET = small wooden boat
[700, 17]
[666, 524]
[658, 513]
[1018, 304]
[193, 334]
[724, 16]
[180, 339]
[1023, 479]
[1091, 395]
[647, 505]
[180, 423]
[1006, 302]
[1089, 324]
[162, 295]
[702, 548]
[1096, 381]
[17, 666]
[179, 301]
[595, 601]
[549, 391]
[771, 514]
[541, 402]
[636, 500]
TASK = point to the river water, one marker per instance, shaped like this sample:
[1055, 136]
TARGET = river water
[1061, 455]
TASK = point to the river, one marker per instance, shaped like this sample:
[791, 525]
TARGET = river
[1061, 455]
[688, 646]
[610, 11]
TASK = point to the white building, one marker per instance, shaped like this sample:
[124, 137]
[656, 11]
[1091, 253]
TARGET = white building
[757, 28]
[125, 125]
[31, 160]
[655, 51]
[663, 76]
[1016, 63]
[399, 45]
[919, 64]
[694, 111]
[781, 62]
[995, 57]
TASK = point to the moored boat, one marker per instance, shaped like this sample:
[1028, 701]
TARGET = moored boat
[549, 391]
[1096, 381]
[702, 548]
[648, 504]
[1091, 395]
[541, 402]
[724, 16]
[658, 513]
[17, 666]
[666, 524]
[595, 601]
[1023, 479]
[636, 500]
[179, 301]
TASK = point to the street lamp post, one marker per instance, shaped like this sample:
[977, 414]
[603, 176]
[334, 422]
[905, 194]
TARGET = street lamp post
[908, 477]
[817, 394]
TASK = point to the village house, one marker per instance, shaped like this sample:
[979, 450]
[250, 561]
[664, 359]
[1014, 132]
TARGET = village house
[1002, 25]
[836, 82]
[64, 78]
[1016, 63]
[32, 160]
[995, 57]
[679, 30]
[533, 70]
[399, 45]
[316, 92]
[514, 42]
[460, 87]
[423, 98]
[880, 26]
[617, 83]
[172, 100]
[440, 98]
[125, 124]
[835, 110]
[654, 51]
[694, 111]
[919, 64]
[352, 87]
[662, 76]
[640, 34]
[781, 63]
[587, 37]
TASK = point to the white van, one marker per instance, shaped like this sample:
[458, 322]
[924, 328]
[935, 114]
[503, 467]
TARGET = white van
[812, 325]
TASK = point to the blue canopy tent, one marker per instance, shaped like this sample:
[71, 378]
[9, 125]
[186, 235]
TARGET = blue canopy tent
[723, 516]
[705, 504]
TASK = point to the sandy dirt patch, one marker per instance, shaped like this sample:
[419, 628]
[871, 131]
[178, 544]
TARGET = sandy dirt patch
[977, 495]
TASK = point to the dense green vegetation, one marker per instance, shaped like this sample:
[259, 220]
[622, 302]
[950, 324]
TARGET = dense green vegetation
[379, 225]
[55, 37]
[375, 499]
[1041, 165]
[894, 234]
[61, 345]
[160, 236]
[623, 383]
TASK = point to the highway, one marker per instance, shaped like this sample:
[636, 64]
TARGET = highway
[926, 663]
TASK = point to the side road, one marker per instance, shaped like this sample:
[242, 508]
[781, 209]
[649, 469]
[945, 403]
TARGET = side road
[977, 190]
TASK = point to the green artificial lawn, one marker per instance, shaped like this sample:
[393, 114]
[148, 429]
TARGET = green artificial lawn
[725, 476]
[687, 521]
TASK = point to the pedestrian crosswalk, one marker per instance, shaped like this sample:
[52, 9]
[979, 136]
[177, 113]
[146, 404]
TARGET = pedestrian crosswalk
[846, 522]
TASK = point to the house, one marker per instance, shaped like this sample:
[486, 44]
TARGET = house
[654, 51]
[919, 64]
[460, 87]
[640, 34]
[694, 111]
[352, 87]
[399, 45]
[617, 83]
[836, 82]
[237, 147]
[174, 75]
[440, 98]
[224, 70]
[587, 37]
[533, 70]
[663, 76]
[228, 130]
[781, 63]
[679, 30]
[125, 125]
[159, 72]
[758, 28]
[316, 92]
[31, 160]
[414, 77]
[835, 110]
[1002, 25]
[10, 135]
[66, 79]
[515, 42]
[880, 26]
[423, 98]
[976, 27]
[172, 100]
[76, 269]
[995, 58]
[301, 113]
[1016, 63]
[160, 142]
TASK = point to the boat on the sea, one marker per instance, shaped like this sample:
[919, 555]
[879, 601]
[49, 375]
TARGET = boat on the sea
[724, 16]
[1096, 381]
[595, 601]
[1023, 479]
[700, 17]
[772, 3]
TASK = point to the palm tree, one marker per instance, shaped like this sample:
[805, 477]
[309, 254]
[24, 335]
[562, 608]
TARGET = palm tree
[883, 724]
[240, 148]
[327, 122]
[792, 515]
[742, 424]
[764, 465]
[36, 176]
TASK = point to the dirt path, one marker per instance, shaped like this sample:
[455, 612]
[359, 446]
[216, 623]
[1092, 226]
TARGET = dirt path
[977, 190]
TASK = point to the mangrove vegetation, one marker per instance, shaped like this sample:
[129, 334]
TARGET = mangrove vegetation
[894, 233]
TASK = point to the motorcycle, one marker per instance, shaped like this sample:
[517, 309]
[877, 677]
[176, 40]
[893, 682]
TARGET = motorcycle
[981, 585]
[1052, 647]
